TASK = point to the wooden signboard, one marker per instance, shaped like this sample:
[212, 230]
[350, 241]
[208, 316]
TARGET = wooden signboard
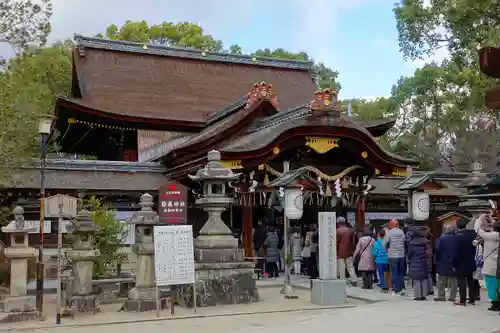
[172, 207]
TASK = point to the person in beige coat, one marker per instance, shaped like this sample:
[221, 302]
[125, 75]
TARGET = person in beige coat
[491, 241]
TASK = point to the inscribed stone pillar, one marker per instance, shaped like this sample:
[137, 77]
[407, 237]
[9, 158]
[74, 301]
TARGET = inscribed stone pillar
[143, 296]
[83, 254]
[18, 306]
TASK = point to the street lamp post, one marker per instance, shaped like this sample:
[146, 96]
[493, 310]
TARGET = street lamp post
[44, 128]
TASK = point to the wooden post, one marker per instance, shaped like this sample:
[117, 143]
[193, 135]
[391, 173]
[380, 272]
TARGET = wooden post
[360, 213]
[247, 227]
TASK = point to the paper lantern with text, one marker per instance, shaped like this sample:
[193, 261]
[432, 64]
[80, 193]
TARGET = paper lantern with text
[420, 206]
[294, 205]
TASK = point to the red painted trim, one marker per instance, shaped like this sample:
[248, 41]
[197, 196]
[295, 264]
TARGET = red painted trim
[77, 107]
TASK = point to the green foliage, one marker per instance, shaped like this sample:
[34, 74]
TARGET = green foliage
[446, 101]
[109, 239]
[29, 86]
[193, 36]
[24, 23]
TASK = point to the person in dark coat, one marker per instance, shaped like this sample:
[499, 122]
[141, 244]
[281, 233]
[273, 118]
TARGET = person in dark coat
[259, 237]
[418, 253]
[465, 262]
[446, 247]
[271, 246]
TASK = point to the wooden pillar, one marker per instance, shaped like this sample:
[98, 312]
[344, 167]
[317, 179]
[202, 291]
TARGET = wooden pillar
[247, 227]
[360, 213]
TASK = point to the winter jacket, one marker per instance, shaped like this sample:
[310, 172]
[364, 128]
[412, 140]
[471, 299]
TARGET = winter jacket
[394, 242]
[271, 247]
[379, 253]
[418, 250]
[364, 249]
[465, 255]
[259, 237]
[446, 248]
[490, 249]
[296, 243]
[345, 242]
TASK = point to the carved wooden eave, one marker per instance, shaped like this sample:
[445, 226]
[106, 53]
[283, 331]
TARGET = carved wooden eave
[322, 127]
[91, 175]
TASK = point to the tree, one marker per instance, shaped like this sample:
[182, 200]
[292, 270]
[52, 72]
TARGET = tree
[29, 85]
[108, 239]
[193, 36]
[24, 23]
[458, 28]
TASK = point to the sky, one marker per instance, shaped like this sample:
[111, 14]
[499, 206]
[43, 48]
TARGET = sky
[356, 37]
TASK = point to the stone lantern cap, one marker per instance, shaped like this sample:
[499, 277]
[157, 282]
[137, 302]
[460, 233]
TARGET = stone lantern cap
[214, 170]
[145, 216]
[19, 225]
[82, 223]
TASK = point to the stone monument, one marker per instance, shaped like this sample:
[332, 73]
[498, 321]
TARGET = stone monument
[143, 296]
[18, 306]
[222, 274]
[328, 290]
[82, 256]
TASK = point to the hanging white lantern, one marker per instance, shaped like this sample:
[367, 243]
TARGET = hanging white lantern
[294, 203]
[420, 206]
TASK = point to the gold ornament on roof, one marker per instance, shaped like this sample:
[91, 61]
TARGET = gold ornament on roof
[262, 91]
[325, 99]
[364, 154]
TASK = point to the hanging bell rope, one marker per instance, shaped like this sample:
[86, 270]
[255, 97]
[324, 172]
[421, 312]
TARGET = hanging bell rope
[315, 171]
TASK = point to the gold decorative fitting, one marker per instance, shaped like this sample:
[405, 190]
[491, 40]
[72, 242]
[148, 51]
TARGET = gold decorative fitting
[261, 167]
[71, 121]
[262, 91]
[377, 171]
[276, 150]
[326, 99]
[145, 47]
[254, 59]
[364, 154]
[322, 145]
[236, 164]
[402, 172]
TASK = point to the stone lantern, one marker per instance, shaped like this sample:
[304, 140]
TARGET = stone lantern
[143, 296]
[220, 264]
[83, 254]
[18, 306]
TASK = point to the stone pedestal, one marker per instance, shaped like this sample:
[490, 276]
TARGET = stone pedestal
[18, 306]
[328, 292]
[143, 296]
[222, 275]
[82, 254]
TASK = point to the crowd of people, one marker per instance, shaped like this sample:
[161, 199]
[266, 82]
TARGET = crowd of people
[464, 254]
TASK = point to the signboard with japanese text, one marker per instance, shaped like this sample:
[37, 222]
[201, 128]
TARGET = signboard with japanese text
[174, 255]
[172, 207]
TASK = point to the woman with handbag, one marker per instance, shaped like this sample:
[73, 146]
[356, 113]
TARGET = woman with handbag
[363, 256]
[491, 241]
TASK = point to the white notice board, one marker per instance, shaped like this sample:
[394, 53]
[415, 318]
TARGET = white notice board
[174, 255]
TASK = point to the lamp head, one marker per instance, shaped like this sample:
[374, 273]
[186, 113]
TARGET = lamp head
[45, 125]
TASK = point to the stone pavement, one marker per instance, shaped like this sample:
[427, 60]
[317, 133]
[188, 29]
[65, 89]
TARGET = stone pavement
[385, 313]
[396, 316]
